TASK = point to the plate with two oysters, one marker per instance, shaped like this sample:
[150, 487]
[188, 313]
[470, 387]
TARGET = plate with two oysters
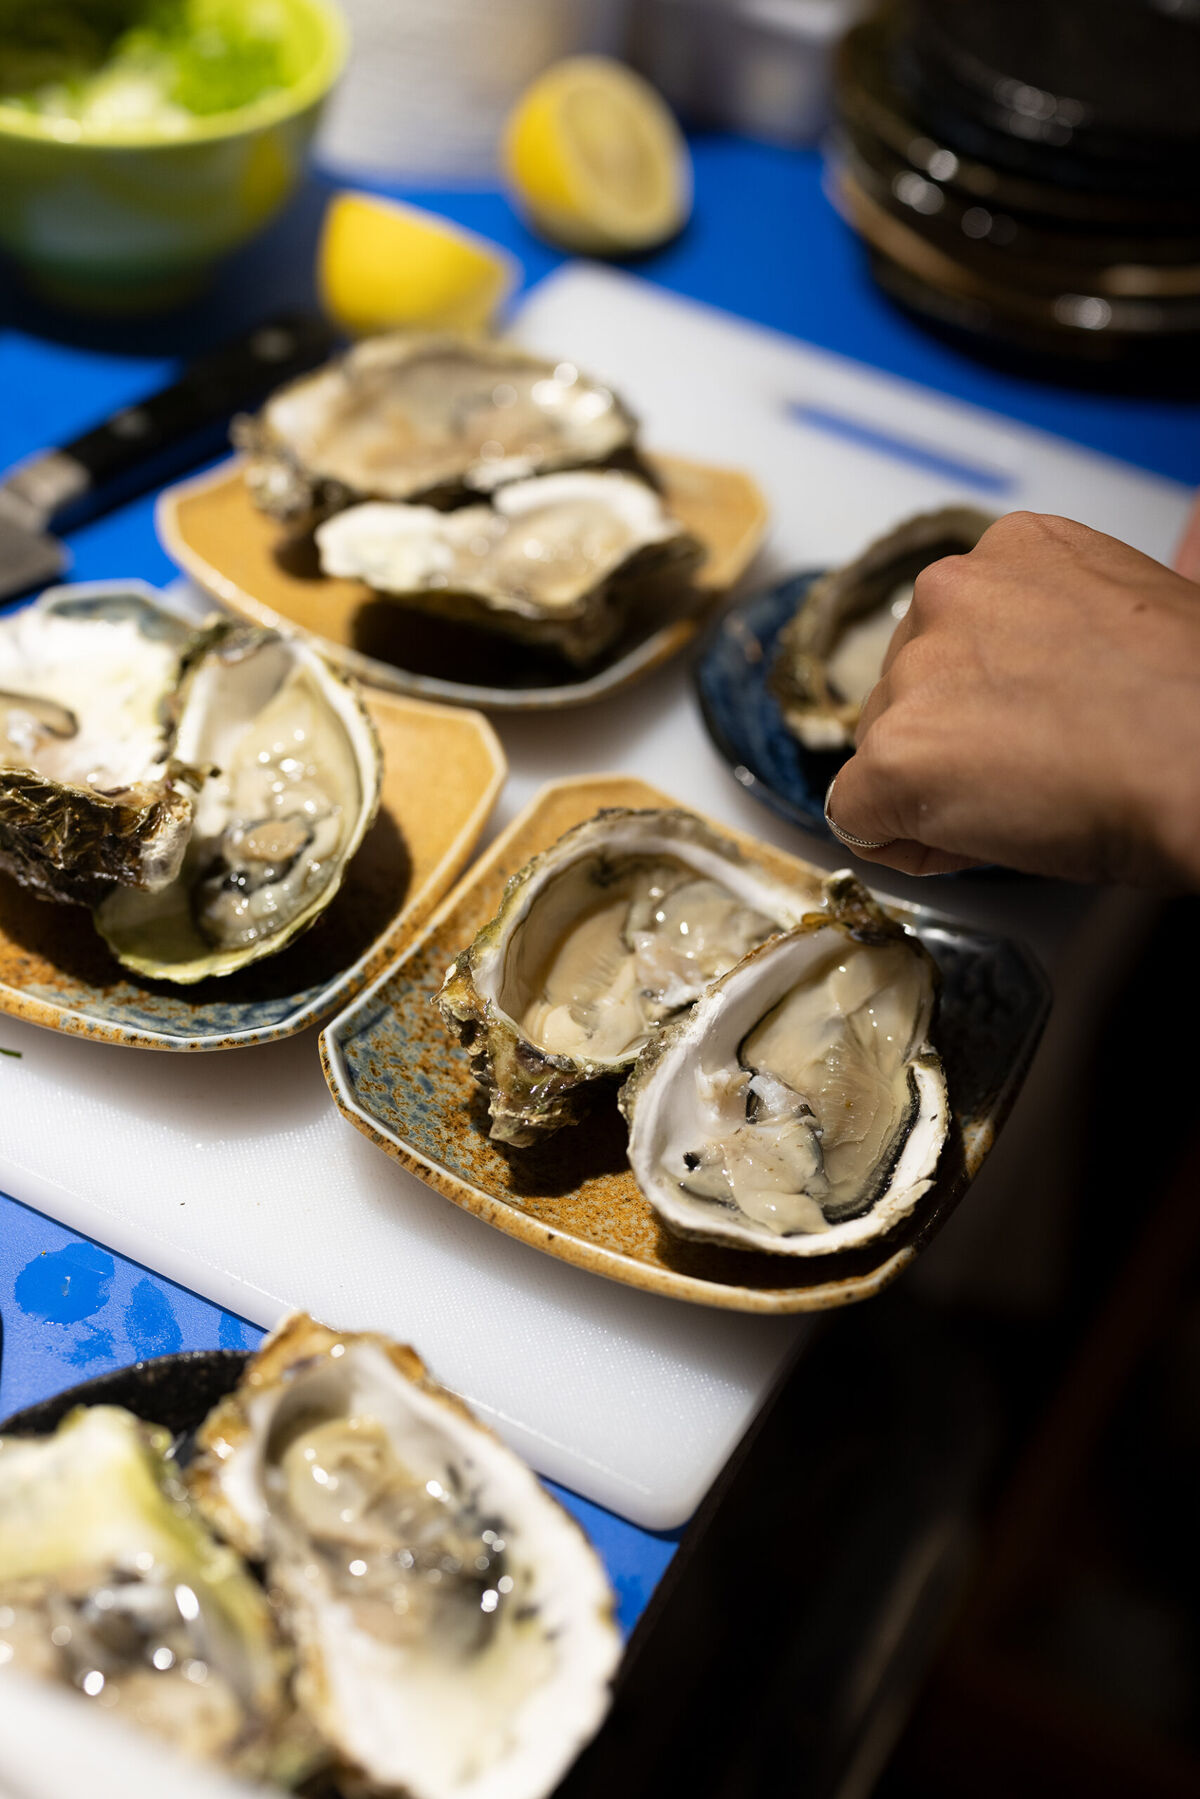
[464, 521]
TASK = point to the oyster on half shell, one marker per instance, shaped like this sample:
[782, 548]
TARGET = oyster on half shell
[453, 1626]
[92, 794]
[291, 781]
[403, 417]
[617, 926]
[800, 1107]
[110, 1583]
[830, 653]
[557, 560]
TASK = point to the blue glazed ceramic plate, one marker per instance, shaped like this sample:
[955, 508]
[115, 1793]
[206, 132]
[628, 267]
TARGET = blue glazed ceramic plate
[743, 719]
[742, 714]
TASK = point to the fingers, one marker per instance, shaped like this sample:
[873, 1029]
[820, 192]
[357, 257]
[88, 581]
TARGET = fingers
[904, 854]
[859, 808]
[909, 858]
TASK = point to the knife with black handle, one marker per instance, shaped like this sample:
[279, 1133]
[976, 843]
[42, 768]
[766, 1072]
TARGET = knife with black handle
[109, 463]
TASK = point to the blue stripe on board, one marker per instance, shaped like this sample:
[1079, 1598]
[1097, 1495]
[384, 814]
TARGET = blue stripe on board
[901, 449]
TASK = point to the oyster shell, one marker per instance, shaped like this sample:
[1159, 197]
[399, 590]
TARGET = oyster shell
[110, 1583]
[291, 787]
[90, 792]
[830, 653]
[556, 560]
[800, 1107]
[619, 924]
[453, 1625]
[400, 417]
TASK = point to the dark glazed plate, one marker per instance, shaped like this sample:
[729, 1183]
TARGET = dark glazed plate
[176, 1391]
[742, 714]
[400, 1078]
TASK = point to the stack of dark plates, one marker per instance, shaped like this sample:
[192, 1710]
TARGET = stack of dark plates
[1028, 171]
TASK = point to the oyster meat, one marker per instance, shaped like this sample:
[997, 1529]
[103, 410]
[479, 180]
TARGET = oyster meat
[556, 560]
[91, 794]
[110, 1583]
[830, 653]
[453, 1626]
[403, 417]
[614, 928]
[800, 1107]
[292, 780]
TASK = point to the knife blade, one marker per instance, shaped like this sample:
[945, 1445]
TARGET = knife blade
[54, 489]
[29, 556]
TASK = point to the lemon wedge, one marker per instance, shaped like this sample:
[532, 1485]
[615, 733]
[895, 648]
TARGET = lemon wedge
[382, 266]
[595, 158]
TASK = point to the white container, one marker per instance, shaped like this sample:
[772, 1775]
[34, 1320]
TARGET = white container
[429, 83]
[759, 66]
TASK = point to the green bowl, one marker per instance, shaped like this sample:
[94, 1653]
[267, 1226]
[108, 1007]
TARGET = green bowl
[135, 221]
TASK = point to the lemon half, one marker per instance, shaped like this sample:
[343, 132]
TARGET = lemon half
[596, 160]
[383, 266]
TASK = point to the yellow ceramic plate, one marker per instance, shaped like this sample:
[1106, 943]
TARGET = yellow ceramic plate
[399, 1076]
[443, 768]
[262, 571]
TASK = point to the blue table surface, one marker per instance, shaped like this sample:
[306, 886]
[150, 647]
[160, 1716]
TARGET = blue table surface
[763, 243]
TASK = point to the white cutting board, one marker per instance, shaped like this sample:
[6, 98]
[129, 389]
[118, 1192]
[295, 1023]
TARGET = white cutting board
[233, 1174]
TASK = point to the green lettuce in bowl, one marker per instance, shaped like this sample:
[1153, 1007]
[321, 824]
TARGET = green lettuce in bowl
[141, 140]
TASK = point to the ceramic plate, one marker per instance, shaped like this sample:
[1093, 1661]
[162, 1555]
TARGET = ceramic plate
[397, 1075]
[55, 969]
[742, 714]
[176, 1391]
[260, 570]
[743, 719]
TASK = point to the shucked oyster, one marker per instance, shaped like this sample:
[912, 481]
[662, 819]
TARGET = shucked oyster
[91, 793]
[556, 560]
[292, 778]
[453, 1626]
[403, 417]
[800, 1107]
[110, 1583]
[831, 651]
[611, 930]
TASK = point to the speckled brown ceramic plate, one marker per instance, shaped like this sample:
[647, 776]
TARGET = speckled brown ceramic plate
[443, 768]
[397, 1074]
[259, 570]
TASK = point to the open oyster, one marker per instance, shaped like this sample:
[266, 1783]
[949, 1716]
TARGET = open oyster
[90, 791]
[453, 1626]
[110, 1583]
[557, 560]
[291, 786]
[799, 1107]
[831, 651]
[402, 417]
[611, 930]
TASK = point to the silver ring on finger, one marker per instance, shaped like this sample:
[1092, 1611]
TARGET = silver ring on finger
[847, 837]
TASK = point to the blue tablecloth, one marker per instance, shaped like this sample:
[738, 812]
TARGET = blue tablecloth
[763, 243]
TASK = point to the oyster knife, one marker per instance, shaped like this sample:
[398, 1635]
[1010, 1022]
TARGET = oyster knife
[119, 457]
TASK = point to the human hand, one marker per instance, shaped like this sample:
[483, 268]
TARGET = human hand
[1187, 556]
[1039, 708]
